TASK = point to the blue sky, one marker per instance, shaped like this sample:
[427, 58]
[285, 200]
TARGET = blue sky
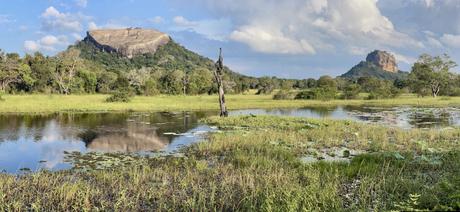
[289, 38]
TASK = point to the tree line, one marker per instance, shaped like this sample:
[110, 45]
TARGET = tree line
[173, 70]
[429, 76]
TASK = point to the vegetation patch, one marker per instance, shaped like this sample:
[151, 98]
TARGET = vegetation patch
[256, 164]
[119, 96]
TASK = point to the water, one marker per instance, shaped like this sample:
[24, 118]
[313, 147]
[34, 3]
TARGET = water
[39, 142]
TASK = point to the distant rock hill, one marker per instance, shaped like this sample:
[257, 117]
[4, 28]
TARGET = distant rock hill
[121, 50]
[378, 64]
[128, 42]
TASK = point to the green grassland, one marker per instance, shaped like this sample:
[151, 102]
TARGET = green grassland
[255, 164]
[96, 103]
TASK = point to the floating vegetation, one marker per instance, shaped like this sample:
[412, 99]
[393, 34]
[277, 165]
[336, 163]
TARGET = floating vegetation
[103, 161]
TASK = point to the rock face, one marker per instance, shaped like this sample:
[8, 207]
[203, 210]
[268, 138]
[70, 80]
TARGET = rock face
[378, 64]
[384, 60]
[127, 42]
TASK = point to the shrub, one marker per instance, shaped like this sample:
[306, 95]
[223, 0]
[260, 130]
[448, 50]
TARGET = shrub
[384, 93]
[351, 91]
[119, 96]
[283, 95]
[151, 88]
[318, 94]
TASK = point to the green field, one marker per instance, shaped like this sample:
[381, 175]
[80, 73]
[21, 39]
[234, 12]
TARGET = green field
[257, 164]
[96, 103]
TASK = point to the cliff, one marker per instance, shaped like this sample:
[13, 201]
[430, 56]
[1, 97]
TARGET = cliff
[384, 60]
[378, 64]
[127, 42]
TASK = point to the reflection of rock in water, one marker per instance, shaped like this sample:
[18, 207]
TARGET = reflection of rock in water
[135, 139]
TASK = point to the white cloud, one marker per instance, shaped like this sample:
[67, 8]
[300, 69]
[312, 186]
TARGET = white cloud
[53, 20]
[271, 41]
[183, 22]
[439, 16]
[451, 40]
[157, 20]
[92, 26]
[309, 26]
[48, 43]
[81, 3]
[358, 50]
[77, 36]
[214, 29]
[31, 46]
[429, 3]
[404, 59]
[49, 40]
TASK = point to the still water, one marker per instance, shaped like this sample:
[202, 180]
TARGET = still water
[40, 141]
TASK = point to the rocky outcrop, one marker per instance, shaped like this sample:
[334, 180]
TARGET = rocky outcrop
[127, 42]
[384, 60]
[378, 64]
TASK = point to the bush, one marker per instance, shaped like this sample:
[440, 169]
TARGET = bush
[384, 93]
[317, 94]
[351, 91]
[283, 95]
[265, 90]
[151, 88]
[119, 96]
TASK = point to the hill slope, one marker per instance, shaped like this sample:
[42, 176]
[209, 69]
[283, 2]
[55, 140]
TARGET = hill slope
[367, 69]
[169, 56]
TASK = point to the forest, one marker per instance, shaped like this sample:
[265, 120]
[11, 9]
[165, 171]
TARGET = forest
[174, 70]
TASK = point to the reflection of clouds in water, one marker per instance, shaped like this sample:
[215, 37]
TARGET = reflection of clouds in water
[53, 132]
[53, 152]
[26, 151]
[191, 136]
[26, 140]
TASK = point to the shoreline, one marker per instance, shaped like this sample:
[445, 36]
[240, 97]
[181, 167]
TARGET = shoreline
[95, 103]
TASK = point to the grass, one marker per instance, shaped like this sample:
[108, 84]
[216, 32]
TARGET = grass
[97, 103]
[254, 164]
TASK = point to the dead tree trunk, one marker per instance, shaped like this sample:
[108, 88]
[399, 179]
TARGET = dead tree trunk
[218, 72]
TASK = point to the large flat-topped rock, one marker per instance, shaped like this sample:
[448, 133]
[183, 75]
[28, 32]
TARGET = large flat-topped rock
[128, 42]
[384, 60]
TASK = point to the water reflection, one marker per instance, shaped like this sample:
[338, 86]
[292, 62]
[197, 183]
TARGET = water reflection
[39, 141]
[137, 137]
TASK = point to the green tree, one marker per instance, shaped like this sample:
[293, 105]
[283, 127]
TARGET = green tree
[351, 91]
[431, 74]
[326, 82]
[88, 81]
[286, 84]
[151, 88]
[266, 85]
[42, 69]
[311, 83]
[12, 70]
[383, 89]
[68, 63]
[200, 81]
[137, 78]
[172, 82]
[106, 81]
[369, 84]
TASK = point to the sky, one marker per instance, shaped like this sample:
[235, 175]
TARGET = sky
[288, 39]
